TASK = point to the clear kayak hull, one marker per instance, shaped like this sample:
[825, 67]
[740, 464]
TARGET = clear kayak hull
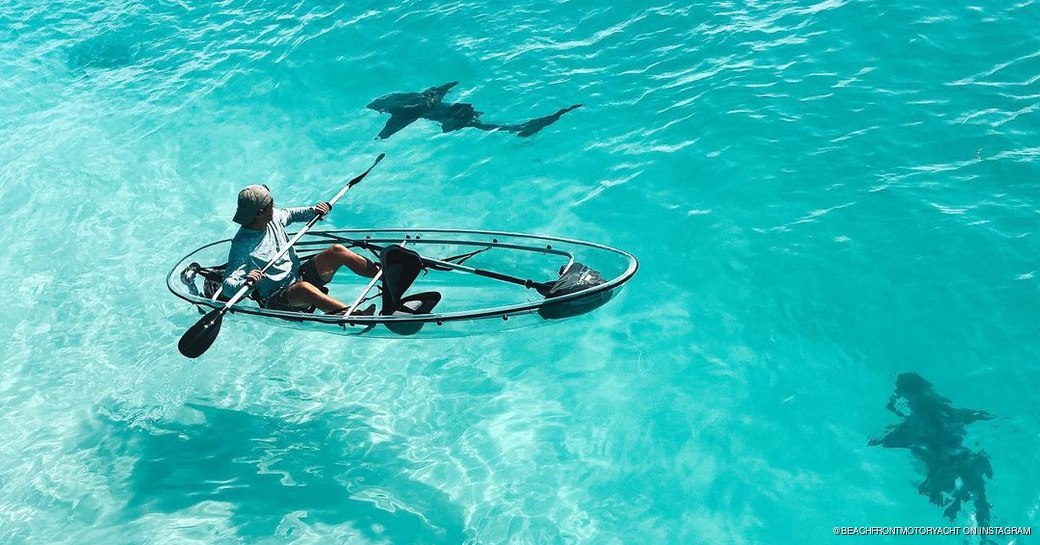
[479, 277]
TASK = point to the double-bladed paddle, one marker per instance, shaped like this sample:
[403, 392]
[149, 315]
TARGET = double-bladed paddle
[200, 336]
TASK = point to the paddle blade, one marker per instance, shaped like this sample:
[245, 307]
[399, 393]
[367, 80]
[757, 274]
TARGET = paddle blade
[361, 176]
[200, 337]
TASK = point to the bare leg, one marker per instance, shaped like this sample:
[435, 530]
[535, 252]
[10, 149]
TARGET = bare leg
[304, 294]
[336, 256]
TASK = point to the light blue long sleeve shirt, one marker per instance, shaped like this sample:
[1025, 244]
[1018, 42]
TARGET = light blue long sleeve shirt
[252, 249]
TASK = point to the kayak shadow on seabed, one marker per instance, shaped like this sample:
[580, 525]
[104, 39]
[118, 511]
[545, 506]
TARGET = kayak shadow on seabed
[269, 470]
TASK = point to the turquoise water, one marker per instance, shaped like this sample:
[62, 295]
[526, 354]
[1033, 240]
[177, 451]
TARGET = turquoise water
[822, 196]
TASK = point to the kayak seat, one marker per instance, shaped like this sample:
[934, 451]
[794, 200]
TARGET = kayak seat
[401, 267]
[418, 303]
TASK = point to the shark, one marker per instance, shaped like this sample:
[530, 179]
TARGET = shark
[933, 430]
[407, 108]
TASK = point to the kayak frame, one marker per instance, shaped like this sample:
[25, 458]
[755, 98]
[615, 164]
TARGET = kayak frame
[419, 236]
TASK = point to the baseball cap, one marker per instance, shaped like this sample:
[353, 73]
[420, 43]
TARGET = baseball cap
[250, 201]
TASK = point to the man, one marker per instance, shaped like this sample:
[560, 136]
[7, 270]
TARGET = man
[287, 285]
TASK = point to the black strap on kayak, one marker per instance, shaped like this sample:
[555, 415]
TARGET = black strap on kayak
[457, 259]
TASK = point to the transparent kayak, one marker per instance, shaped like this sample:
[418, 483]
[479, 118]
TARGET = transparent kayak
[469, 282]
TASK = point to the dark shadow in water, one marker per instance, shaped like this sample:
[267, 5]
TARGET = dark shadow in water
[933, 430]
[103, 52]
[265, 468]
[406, 108]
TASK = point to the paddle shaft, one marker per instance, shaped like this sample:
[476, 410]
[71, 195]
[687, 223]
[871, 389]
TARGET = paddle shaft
[244, 290]
[527, 283]
[368, 288]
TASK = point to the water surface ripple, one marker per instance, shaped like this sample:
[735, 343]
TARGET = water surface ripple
[823, 195]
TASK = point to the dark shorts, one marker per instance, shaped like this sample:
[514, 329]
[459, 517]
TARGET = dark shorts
[279, 300]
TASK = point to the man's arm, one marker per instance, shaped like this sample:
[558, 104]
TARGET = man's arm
[236, 271]
[293, 215]
[234, 279]
[306, 213]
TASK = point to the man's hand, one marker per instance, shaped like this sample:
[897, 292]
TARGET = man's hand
[322, 208]
[254, 276]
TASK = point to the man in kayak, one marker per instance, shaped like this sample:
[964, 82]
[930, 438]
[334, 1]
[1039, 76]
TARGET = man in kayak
[287, 285]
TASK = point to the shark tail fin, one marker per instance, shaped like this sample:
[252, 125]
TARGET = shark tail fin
[533, 126]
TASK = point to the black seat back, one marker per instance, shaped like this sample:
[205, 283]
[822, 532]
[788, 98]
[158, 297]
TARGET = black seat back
[401, 267]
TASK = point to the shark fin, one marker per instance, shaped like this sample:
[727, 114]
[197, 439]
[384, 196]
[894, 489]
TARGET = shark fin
[437, 93]
[396, 123]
